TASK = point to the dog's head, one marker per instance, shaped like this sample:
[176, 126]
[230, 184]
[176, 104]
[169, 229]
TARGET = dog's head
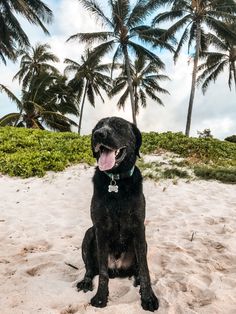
[115, 144]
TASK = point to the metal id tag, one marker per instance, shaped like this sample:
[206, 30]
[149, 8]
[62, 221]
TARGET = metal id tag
[113, 187]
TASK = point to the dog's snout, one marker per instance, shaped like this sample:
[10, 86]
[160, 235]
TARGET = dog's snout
[100, 134]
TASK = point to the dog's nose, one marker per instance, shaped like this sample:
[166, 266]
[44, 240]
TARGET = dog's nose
[100, 134]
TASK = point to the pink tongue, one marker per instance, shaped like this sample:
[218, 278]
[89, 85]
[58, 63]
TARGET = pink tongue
[107, 160]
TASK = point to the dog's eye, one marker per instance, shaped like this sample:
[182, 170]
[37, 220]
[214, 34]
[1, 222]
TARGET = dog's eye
[118, 126]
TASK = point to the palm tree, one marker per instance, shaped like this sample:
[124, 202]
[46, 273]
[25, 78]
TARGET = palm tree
[89, 79]
[35, 62]
[12, 36]
[193, 16]
[126, 33]
[219, 61]
[145, 82]
[45, 103]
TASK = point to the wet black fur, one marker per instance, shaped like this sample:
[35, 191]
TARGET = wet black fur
[118, 218]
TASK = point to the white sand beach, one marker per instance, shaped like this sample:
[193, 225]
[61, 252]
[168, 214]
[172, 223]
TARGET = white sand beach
[190, 230]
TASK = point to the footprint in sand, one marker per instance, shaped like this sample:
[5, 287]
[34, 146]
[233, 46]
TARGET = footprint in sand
[120, 292]
[164, 261]
[219, 247]
[37, 270]
[70, 309]
[177, 286]
[203, 297]
[41, 246]
[215, 221]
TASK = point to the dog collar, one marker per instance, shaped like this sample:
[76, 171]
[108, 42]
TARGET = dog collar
[123, 175]
[113, 187]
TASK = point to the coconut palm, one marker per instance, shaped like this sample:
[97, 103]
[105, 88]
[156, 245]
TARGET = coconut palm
[195, 16]
[44, 104]
[89, 79]
[12, 35]
[145, 76]
[224, 59]
[126, 33]
[35, 61]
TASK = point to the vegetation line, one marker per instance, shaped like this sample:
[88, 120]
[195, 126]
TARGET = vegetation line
[27, 152]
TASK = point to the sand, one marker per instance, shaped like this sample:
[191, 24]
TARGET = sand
[190, 230]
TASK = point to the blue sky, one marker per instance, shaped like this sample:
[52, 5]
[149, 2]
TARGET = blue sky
[216, 110]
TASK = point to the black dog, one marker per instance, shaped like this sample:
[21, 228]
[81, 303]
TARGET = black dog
[116, 245]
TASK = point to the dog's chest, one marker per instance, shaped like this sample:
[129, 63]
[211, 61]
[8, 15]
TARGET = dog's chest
[119, 218]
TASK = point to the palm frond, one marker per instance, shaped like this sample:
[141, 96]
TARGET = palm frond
[118, 53]
[142, 51]
[168, 16]
[90, 95]
[120, 13]
[138, 14]
[153, 96]
[182, 41]
[10, 95]
[221, 29]
[91, 38]
[216, 42]
[10, 119]
[213, 76]
[94, 8]
[143, 98]
[122, 100]
[59, 116]
[179, 24]
[117, 88]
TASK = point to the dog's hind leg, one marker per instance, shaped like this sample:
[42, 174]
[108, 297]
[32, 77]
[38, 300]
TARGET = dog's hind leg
[89, 258]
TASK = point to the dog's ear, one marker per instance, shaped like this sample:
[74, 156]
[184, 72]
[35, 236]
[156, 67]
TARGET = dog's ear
[138, 137]
[94, 154]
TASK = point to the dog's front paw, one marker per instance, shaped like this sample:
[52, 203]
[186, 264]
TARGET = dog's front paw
[85, 285]
[99, 300]
[150, 303]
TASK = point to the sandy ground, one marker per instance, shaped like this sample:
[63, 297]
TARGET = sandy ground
[190, 230]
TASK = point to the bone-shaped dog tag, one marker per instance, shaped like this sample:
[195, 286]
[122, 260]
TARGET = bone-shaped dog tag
[113, 187]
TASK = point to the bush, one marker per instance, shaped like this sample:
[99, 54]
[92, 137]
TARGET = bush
[210, 158]
[27, 152]
[204, 149]
[175, 173]
[220, 174]
[231, 139]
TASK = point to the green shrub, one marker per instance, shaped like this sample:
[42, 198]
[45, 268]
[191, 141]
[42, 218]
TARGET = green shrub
[231, 139]
[210, 158]
[220, 174]
[175, 173]
[204, 149]
[27, 152]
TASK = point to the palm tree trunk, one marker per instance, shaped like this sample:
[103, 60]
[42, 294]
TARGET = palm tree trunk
[136, 100]
[194, 78]
[131, 92]
[234, 73]
[82, 107]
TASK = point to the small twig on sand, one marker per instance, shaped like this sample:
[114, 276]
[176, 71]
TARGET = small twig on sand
[192, 236]
[68, 264]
